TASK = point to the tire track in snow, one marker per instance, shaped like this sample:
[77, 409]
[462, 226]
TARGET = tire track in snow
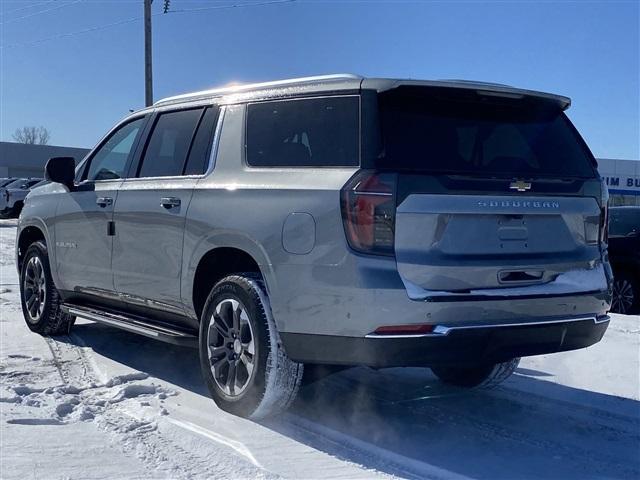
[237, 446]
[144, 436]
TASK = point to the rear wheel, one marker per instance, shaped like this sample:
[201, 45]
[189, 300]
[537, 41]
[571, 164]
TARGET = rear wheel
[241, 355]
[483, 376]
[41, 303]
[626, 294]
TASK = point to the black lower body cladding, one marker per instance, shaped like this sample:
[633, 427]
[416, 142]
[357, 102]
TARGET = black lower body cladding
[459, 346]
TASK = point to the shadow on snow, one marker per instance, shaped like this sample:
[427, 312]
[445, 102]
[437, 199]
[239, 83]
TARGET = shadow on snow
[404, 422]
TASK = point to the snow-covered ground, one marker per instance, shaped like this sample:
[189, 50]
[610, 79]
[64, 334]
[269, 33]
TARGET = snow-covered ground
[102, 403]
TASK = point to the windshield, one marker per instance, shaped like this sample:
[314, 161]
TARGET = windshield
[482, 136]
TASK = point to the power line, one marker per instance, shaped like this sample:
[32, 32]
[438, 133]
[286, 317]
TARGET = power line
[26, 7]
[239, 5]
[134, 19]
[57, 7]
[73, 34]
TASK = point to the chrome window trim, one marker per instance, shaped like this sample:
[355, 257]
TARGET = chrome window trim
[441, 330]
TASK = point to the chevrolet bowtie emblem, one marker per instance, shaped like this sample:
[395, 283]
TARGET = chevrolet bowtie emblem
[520, 186]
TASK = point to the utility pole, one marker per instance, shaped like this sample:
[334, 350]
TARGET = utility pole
[148, 69]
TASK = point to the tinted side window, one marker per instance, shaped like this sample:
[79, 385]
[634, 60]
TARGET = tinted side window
[319, 132]
[201, 149]
[110, 159]
[169, 144]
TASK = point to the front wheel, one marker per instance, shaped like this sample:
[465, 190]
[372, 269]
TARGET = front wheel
[483, 376]
[41, 303]
[241, 355]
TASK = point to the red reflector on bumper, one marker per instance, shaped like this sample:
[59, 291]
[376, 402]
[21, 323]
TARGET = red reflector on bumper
[404, 329]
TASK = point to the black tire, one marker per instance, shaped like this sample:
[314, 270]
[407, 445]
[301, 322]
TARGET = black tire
[482, 376]
[626, 293]
[49, 319]
[273, 381]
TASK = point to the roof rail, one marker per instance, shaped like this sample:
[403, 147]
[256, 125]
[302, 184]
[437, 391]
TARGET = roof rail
[255, 86]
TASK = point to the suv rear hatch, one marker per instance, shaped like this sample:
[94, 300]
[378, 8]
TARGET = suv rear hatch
[493, 190]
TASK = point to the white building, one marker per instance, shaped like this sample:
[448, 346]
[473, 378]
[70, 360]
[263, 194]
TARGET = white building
[623, 180]
[21, 160]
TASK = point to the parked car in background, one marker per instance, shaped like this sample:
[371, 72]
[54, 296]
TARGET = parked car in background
[13, 194]
[336, 221]
[624, 255]
[6, 181]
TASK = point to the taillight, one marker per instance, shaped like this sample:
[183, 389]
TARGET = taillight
[368, 202]
[604, 212]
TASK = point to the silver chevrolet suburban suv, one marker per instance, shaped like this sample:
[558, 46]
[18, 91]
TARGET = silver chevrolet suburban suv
[329, 221]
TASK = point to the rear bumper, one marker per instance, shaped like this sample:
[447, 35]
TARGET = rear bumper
[449, 345]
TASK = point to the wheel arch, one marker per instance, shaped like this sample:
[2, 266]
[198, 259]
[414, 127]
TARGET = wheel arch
[214, 264]
[29, 234]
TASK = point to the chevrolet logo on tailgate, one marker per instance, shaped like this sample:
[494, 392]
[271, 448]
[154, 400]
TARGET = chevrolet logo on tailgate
[520, 186]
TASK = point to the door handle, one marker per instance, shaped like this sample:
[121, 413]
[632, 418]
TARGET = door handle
[104, 201]
[170, 202]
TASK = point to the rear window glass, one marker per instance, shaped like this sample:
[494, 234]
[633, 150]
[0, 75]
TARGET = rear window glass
[319, 132]
[492, 137]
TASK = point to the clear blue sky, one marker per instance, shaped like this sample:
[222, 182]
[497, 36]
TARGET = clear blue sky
[80, 85]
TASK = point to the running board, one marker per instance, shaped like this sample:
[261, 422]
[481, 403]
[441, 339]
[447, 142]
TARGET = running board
[139, 325]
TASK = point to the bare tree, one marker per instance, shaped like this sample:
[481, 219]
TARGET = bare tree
[32, 135]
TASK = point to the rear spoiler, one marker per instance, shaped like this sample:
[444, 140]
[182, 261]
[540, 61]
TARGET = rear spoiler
[481, 88]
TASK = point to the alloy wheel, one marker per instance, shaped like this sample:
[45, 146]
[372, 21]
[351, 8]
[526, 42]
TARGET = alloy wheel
[623, 296]
[231, 347]
[35, 289]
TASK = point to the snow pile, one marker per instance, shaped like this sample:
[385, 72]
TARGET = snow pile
[69, 403]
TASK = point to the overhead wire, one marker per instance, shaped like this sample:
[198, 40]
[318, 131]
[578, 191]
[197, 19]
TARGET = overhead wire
[134, 19]
[33, 14]
[26, 7]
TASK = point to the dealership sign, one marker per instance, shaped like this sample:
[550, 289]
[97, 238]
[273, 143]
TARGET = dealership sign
[623, 183]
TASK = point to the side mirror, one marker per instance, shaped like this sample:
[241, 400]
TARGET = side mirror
[61, 170]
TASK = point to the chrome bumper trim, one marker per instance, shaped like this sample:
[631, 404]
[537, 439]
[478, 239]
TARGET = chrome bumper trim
[442, 330]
